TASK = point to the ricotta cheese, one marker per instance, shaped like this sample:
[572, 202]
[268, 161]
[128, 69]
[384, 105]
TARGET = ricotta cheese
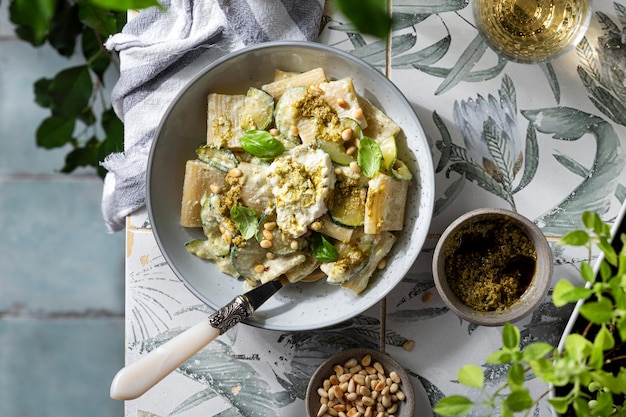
[301, 181]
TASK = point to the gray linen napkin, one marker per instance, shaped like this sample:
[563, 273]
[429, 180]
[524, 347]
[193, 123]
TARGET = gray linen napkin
[160, 51]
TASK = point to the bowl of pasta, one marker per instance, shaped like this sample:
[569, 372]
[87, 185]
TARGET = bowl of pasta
[292, 161]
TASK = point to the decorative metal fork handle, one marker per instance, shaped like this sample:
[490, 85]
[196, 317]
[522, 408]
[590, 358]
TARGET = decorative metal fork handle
[232, 313]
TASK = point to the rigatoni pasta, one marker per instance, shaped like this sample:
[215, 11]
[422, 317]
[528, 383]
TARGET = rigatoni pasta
[299, 178]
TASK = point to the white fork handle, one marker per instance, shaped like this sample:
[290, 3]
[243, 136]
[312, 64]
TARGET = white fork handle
[138, 377]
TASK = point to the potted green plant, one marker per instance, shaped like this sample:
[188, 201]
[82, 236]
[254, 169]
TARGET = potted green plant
[586, 374]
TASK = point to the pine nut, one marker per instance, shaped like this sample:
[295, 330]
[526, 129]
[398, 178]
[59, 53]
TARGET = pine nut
[270, 255]
[293, 130]
[358, 113]
[346, 134]
[215, 189]
[359, 379]
[274, 132]
[266, 244]
[382, 264]
[379, 367]
[342, 103]
[360, 389]
[350, 363]
[408, 345]
[317, 226]
[235, 172]
[270, 226]
[394, 377]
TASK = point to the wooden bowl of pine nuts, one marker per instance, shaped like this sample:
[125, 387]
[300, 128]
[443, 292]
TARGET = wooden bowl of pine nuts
[360, 383]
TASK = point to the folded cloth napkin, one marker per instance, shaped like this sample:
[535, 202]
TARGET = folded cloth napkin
[160, 51]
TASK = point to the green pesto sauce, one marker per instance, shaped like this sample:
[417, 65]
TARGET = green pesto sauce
[489, 264]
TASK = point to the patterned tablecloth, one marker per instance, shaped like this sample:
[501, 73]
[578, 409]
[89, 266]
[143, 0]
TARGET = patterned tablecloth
[546, 140]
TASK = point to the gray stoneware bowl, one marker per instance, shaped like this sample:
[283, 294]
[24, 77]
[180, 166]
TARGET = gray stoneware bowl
[405, 406]
[300, 306]
[539, 277]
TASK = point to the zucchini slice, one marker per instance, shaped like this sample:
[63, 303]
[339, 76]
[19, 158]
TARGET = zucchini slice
[336, 151]
[390, 151]
[258, 108]
[348, 205]
[400, 172]
[247, 260]
[353, 258]
[381, 248]
[220, 158]
[286, 113]
[211, 248]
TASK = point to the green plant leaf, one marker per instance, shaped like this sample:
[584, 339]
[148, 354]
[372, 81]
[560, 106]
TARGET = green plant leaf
[510, 336]
[575, 238]
[577, 347]
[82, 156]
[54, 132]
[369, 17]
[591, 220]
[369, 156]
[33, 19]
[99, 19]
[536, 351]
[65, 28]
[586, 272]
[604, 339]
[124, 5]
[70, 91]
[499, 357]
[581, 406]
[515, 377]
[323, 250]
[262, 144]
[597, 312]
[245, 219]
[565, 292]
[560, 404]
[471, 376]
[453, 405]
[42, 92]
[519, 400]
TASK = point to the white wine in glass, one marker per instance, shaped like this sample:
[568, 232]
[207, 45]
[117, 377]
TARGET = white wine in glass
[532, 31]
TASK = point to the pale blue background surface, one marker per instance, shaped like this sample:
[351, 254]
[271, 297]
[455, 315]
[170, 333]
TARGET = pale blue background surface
[61, 272]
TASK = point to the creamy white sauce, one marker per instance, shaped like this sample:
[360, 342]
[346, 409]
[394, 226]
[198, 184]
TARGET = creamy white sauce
[301, 181]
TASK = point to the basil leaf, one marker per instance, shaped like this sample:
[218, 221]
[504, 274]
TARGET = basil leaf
[323, 250]
[245, 219]
[369, 156]
[262, 144]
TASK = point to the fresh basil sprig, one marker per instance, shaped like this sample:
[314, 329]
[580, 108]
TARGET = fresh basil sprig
[245, 219]
[323, 250]
[369, 156]
[262, 144]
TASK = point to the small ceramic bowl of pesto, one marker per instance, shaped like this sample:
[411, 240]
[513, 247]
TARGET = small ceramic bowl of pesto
[492, 266]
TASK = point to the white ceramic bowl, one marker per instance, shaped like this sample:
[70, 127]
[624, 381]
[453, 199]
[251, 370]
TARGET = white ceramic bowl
[299, 306]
